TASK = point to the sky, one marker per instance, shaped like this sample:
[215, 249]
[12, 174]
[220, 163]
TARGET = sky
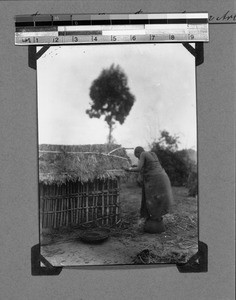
[160, 76]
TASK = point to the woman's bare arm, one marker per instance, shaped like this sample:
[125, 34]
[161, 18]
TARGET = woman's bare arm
[140, 164]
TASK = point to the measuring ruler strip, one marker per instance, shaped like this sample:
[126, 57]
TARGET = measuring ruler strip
[111, 30]
[152, 28]
[115, 36]
[87, 39]
[122, 38]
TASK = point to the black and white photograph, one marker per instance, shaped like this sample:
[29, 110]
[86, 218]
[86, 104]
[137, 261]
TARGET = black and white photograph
[117, 154]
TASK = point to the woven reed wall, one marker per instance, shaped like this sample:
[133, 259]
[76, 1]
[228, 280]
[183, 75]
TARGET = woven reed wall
[75, 203]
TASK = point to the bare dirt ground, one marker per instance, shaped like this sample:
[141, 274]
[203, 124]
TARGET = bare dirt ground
[128, 244]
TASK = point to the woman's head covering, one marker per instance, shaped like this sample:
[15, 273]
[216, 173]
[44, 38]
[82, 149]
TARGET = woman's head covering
[138, 150]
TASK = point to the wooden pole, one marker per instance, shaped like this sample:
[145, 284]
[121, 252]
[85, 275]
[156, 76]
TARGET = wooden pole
[67, 211]
[82, 205]
[94, 201]
[41, 203]
[46, 206]
[103, 204]
[77, 203]
[87, 204]
[113, 204]
[54, 206]
[94, 218]
[68, 204]
[54, 210]
[117, 201]
[53, 213]
[59, 212]
[57, 206]
[73, 203]
[108, 203]
[72, 209]
[46, 202]
[65, 205]
[49, 208]
[61, 204]
[63, 211]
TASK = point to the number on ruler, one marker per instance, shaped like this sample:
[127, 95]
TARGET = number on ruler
[171, 37]
[191, 36]
[75, 39]
[152, 37]
[26, 40]
[55, 39]
[36, 40]
[113, 38]
[94, 38]
[133, 37]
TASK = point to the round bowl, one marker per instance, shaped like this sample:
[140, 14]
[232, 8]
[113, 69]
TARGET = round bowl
[94, 236]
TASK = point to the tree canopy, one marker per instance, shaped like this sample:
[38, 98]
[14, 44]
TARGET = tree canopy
[166, 141]
[111, 97]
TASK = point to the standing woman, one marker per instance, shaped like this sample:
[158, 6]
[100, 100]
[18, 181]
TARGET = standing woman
[157, 195]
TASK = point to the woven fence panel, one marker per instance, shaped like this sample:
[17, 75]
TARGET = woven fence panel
[74, 203]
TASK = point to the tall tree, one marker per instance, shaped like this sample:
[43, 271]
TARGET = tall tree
[111, 97]
[168, 141]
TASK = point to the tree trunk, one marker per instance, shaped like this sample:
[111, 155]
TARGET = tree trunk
[110, 133]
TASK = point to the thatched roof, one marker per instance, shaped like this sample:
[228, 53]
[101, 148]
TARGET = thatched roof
[58, 164]
[98, 148]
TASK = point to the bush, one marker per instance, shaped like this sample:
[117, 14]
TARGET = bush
[174, 165]
[180, 165]
[192, 184]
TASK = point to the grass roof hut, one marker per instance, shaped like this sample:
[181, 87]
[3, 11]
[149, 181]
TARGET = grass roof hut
[80, 184]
